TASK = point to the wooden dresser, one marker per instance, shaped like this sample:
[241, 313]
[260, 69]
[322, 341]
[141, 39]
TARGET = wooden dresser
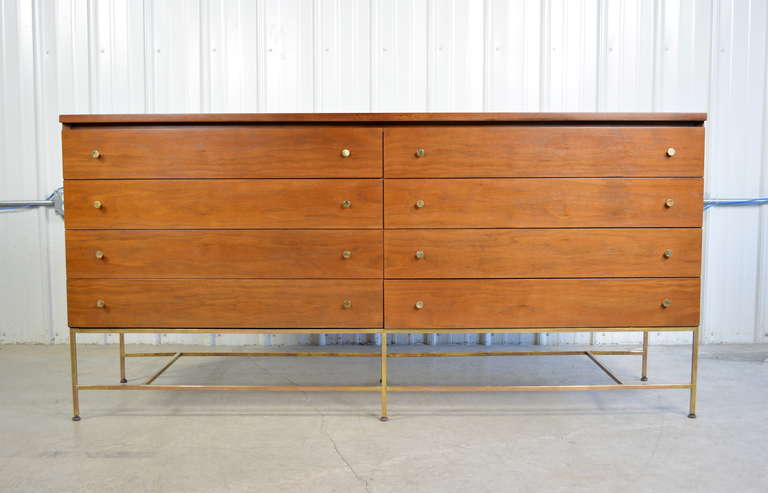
[383, 223]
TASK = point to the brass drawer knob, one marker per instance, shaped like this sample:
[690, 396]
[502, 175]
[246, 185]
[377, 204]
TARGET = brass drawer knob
[345, 153]
[669, 203]
[346, 204]
[95, 154]
[666, 303]
[100, 304]
[346, 254]
[671, 152]
[419, 204]
[99, 254]
[667, 253]
[420, 152]
[419, 254]
[347, 304]
[97, 204]
[419, 305]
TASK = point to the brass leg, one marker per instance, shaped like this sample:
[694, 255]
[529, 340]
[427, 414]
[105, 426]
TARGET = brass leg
[73, 360]
[383, 384]
[694, 372]
[122, 358]
[644, 374]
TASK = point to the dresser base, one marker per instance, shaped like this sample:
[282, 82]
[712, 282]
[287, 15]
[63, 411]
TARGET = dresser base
[383, 386]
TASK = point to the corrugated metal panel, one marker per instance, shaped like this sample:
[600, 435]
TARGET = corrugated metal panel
[80, 56]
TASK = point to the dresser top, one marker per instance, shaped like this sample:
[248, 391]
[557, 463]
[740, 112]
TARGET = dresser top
[456, 118]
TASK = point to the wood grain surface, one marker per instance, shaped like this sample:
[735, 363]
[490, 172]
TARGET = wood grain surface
[542, 151]
[342, 118]
[222, 152]
[498, 303]
[540, 253]
[190, 204]
[543, 203]
[225, 303]
[224, 254]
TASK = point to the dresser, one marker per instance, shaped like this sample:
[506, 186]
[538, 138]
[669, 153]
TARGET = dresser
[384, 224]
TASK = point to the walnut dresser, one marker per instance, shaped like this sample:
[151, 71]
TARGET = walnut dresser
[384, 224]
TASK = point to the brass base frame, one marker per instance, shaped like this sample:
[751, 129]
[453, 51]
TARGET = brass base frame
[384, 355]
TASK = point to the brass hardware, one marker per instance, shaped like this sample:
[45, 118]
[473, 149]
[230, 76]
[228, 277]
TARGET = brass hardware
[97, 204]
[347, 304]
[419, 254]
[346, 204]
[665, 303]
[346, 254]
[419, 204]
[99, 254]
[384, 386]
[671, 152]
[100, 304]
[420, 152]
[669, 203]
[95, 154]
[419, 305]
[345, 153]
[667, 253]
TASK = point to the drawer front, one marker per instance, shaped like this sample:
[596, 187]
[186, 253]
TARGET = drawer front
[225, 303]
[539, 253]
[542, 151]
[505, 303]
[187, 204]
[541, 203]
[224, 254]
[222, 152]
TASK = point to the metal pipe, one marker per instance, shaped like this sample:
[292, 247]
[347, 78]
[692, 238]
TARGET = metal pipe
[26, 203]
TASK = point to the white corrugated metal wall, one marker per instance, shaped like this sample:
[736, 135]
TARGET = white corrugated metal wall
[123, 56]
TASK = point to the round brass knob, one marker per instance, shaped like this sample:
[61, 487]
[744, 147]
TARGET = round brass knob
[346, 204]
[100, 304]
[95, 154]
[99, 254]
[345, 153]
[419, 204]
[347, 304]
[671, 152]
[419, 305]
[665, 303]
[346, 254]
[97, 204]
[420, 152]
[667, 253]
[419, 254]
[669, 203]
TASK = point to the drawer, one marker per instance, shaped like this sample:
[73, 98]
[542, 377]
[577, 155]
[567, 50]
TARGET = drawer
[225, 303]
[542, 303]
[222, 152]
[543, 203]
[224, 254]
[542, 151]
[188, 204]
[539, 253]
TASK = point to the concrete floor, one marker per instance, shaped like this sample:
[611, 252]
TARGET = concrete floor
[323, 442]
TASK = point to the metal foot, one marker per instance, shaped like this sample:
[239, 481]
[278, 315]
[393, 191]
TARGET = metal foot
[123, 380]
[643, 379]
[383, 419]
[75, 418]
[692, 416]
